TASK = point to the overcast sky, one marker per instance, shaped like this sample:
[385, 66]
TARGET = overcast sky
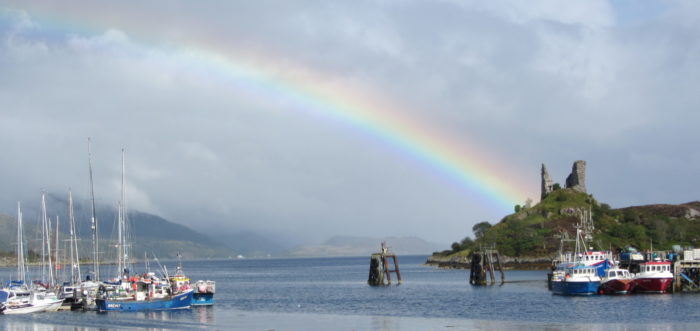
[614, 83]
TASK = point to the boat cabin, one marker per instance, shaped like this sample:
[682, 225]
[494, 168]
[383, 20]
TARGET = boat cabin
[654, 267]
[617, 274]
[581, 271]
[593, 257]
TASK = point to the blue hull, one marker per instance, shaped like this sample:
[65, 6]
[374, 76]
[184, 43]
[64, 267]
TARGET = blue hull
[203, 299]
[180, 301]
[575, 288]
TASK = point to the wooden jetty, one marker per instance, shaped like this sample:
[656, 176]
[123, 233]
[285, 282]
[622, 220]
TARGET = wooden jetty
[686, 274]
[379, 268]
[483, 262]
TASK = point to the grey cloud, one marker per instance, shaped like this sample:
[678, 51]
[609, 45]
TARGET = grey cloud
[527, 83]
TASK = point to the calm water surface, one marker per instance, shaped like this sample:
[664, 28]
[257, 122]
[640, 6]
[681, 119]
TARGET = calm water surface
[332, 294]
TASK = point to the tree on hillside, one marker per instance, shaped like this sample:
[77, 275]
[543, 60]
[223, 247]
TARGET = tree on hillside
[480, 229]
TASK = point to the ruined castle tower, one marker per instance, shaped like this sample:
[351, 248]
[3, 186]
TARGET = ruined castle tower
[547, 184]
[577, 178]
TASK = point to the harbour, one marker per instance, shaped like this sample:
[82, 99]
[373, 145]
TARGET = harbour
[283, 294]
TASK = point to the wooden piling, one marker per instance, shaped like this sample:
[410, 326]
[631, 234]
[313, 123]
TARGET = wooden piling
[483, 262]
[376, 270]
[380, 270]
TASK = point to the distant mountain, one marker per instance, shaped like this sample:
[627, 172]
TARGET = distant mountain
[152, 234]
[359, 246]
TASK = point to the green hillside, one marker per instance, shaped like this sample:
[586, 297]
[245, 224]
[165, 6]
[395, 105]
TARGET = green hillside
[152, 235]
[536, 231]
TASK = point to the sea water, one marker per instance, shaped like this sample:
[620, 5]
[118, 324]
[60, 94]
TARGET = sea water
[332, 294]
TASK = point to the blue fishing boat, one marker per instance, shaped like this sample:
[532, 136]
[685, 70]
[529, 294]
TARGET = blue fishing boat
[579, 273]
[575, 279]
[145, 292]
[177, 301]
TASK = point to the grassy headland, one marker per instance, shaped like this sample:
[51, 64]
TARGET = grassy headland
[533, 234]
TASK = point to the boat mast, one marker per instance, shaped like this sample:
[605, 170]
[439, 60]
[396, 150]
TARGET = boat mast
[46, 242]
[21, 271]
[122, 251]
[74, 259]
[56, 248]
[95, 237]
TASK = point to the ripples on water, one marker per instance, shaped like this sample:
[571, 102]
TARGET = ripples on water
[331, 293]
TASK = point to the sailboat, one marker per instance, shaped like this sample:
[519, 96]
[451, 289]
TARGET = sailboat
[43, 291]
[69, 290]
[138, 293]
[87, 292]
[17, 297]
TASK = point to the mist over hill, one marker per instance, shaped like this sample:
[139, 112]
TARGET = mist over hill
[151, 235]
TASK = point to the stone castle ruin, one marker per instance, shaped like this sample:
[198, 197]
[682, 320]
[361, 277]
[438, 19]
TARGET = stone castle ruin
[576, 180]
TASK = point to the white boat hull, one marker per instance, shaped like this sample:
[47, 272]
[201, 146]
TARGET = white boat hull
[24, 310]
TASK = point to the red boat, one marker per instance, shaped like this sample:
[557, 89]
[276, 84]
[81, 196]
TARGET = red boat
[616, 281]
[653, 277]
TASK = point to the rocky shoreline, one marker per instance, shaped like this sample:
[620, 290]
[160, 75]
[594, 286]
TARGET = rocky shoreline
[513, 263]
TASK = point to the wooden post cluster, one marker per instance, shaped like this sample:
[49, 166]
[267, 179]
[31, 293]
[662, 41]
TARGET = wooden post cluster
[483, 262]
[380, 271]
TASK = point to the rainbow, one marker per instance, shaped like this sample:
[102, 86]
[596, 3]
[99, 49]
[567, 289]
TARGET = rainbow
[473, 169]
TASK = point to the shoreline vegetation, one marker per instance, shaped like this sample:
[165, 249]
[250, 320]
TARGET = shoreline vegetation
[533, 235]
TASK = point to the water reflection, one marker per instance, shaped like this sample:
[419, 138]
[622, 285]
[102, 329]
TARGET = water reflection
[204, 314]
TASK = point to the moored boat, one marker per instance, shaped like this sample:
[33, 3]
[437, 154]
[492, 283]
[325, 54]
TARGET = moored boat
[204, 293]
[616, 281]
[21, 300]
[48, 298]
[653, 277]
[575, 279]
[140, 293]
[18, 302]
[148, 293]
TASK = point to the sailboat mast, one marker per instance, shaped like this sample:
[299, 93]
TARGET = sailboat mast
[46, 243]
[95, 237]
[123, 229]
[74, 259]
[21, 271]
[56, 248]
[48, 250]
[120, 247]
